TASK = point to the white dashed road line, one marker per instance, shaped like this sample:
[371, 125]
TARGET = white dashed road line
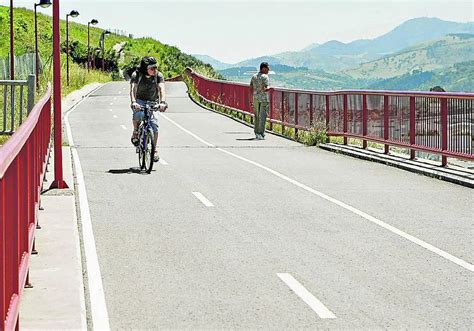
[115, 116]
[203, 199]
[306, 296]
[163, 162]
[123, 127]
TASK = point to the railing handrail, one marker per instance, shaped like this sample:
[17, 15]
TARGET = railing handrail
[13, 82]
[393, 118]
[451, 95]
[12, 147]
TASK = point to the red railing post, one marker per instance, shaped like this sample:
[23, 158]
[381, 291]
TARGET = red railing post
[58, 153]
[444, 130]
[344, 123]
[386, 114]
[271, 105]
[12, 244]
[282, 113]
[296, 115]
[3, 297]
[328, 114]
[364, 120]
[311, 110]
[412, 126]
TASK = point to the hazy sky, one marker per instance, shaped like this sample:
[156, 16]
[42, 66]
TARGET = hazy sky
[232, 30]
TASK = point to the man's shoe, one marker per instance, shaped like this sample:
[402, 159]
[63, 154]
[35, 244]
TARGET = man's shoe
[156, 158]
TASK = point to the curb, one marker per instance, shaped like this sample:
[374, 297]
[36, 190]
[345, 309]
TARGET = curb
[452, 175]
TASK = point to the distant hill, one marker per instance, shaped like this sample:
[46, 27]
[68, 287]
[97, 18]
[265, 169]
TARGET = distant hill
[335, 56]
[448, 61]
[291, 77]
[427, 56]
[216, 64]
[458, 77]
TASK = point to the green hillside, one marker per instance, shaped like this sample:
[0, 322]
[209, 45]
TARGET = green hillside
[428, 56]
[171, 60]
[291, 77]
[458, 77]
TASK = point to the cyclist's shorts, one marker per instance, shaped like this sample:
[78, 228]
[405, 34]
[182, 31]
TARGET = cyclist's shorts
[138, 116]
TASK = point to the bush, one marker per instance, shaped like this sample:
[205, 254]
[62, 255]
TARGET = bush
[315, 136]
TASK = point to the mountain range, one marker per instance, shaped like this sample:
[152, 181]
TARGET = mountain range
[334, 56]
[411, 50]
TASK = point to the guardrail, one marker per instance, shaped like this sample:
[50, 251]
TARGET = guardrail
[433, 122]
[23, 161]
[13, 105]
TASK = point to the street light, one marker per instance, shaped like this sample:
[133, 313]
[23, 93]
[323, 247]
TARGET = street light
[102, 42]
[42, 4]
[93, 22]
[73, 13]
[12, 52]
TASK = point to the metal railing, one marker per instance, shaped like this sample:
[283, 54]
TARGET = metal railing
[23, 161]
[13, 106]
[433, 122]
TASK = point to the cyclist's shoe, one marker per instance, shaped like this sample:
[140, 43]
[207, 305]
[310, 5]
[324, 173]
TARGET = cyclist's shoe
[135, 138]
[156, 157]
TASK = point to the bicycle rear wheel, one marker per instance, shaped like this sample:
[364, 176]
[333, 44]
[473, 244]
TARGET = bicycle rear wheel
[149, 151]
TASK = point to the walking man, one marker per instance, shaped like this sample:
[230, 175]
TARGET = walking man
[259, 91]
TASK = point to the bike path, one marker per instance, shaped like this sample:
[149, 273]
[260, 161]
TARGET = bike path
[168, 261]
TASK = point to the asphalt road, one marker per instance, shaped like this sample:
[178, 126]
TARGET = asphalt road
[296, 237]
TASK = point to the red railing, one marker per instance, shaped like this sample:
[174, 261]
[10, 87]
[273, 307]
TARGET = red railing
[432, 122]
[23, 161]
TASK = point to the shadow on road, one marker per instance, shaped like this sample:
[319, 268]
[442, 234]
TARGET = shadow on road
[246, 139]
[126, 171]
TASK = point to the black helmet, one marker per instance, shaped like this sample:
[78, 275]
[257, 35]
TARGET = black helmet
[147, 62]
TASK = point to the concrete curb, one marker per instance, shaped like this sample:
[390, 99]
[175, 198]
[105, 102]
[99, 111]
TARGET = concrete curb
[450, 174]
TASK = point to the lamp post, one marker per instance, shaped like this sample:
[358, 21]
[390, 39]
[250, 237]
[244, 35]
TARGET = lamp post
[42, 4]
[93, 22]
[12, 53]
[102, 42]
[73, 13]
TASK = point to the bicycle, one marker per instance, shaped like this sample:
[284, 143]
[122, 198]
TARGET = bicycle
[146, 142]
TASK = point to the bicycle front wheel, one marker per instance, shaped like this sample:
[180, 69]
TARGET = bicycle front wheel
[149, 151]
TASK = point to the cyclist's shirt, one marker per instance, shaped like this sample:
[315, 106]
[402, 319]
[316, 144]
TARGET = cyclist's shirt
[259, 82]
[148, 86]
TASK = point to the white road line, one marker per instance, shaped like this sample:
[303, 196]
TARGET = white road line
[203, 199]
[362, 214]
[188, 132]
[111, 103]
[163, 162]
[123, 127]
[115, 98]
[111, 110]
[306, 296]
[115, 116]
[120, 92]
[100, 316]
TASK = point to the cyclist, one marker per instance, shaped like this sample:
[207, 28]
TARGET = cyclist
[147, 84]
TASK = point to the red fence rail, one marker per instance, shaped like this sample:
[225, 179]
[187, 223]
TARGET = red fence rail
[23, 161]
[433, 122]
